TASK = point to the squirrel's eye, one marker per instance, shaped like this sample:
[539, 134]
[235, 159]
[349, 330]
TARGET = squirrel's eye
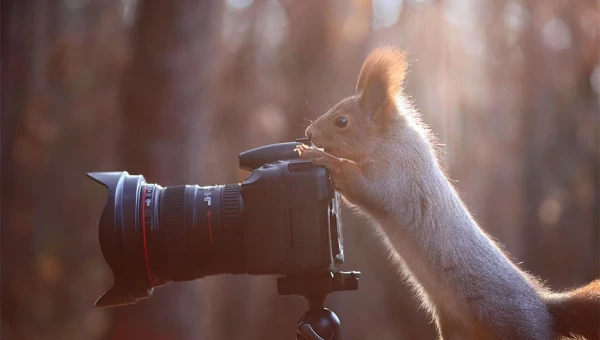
[341, 122]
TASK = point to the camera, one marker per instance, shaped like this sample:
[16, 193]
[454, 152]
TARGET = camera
[283, 219]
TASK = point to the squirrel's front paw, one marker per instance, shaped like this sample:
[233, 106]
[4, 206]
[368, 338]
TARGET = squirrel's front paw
[343, 171]
[320, 157]
[310, 152]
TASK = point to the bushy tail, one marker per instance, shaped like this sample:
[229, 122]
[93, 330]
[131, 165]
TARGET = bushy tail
[577, 312]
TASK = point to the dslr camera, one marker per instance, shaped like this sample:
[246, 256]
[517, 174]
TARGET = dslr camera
[283, 219]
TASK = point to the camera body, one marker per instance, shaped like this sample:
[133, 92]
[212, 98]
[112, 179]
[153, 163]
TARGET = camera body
[283, 219]
[291, 219]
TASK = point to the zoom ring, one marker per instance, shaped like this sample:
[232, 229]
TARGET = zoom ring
[173, 230]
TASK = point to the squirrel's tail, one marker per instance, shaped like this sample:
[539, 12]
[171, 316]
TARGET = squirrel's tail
[577, 312]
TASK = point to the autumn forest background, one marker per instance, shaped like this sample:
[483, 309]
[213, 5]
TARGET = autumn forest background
[174, 90]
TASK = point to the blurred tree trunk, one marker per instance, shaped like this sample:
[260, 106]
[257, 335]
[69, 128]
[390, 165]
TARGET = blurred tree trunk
[16, 33]
[165, 109]
[57, 88]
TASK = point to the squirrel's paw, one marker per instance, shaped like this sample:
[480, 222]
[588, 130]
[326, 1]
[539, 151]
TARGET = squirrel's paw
[309, 152]
[320, 157]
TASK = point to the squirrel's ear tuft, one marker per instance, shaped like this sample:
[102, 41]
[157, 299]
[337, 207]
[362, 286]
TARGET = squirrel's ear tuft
[380, 80]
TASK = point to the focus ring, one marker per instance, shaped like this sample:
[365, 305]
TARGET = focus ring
[148, 202]
[232, 228]
[231, 205]
[173, 230]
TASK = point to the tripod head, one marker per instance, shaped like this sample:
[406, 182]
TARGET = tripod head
[318, 322]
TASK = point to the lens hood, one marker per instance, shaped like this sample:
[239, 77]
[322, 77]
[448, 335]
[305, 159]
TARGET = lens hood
[119, 240]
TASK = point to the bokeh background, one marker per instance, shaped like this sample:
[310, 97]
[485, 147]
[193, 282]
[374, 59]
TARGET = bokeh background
[175, 89]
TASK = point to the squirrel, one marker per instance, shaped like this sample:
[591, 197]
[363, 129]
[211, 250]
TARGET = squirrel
[383, 161]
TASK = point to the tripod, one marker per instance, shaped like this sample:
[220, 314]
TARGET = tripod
[318, 322]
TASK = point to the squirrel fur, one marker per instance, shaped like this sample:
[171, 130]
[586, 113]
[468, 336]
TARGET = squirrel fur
[383, 161]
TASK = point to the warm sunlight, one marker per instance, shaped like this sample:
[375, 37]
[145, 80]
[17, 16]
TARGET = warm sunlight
[175, 90]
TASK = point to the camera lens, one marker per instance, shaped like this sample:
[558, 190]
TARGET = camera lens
[150, 235]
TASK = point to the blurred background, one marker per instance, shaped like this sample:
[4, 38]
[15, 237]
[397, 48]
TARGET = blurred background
[174, 90]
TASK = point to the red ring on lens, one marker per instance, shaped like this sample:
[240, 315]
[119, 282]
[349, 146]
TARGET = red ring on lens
[144, 234]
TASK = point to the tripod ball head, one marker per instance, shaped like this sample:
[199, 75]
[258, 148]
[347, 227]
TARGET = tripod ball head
[319, 324]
